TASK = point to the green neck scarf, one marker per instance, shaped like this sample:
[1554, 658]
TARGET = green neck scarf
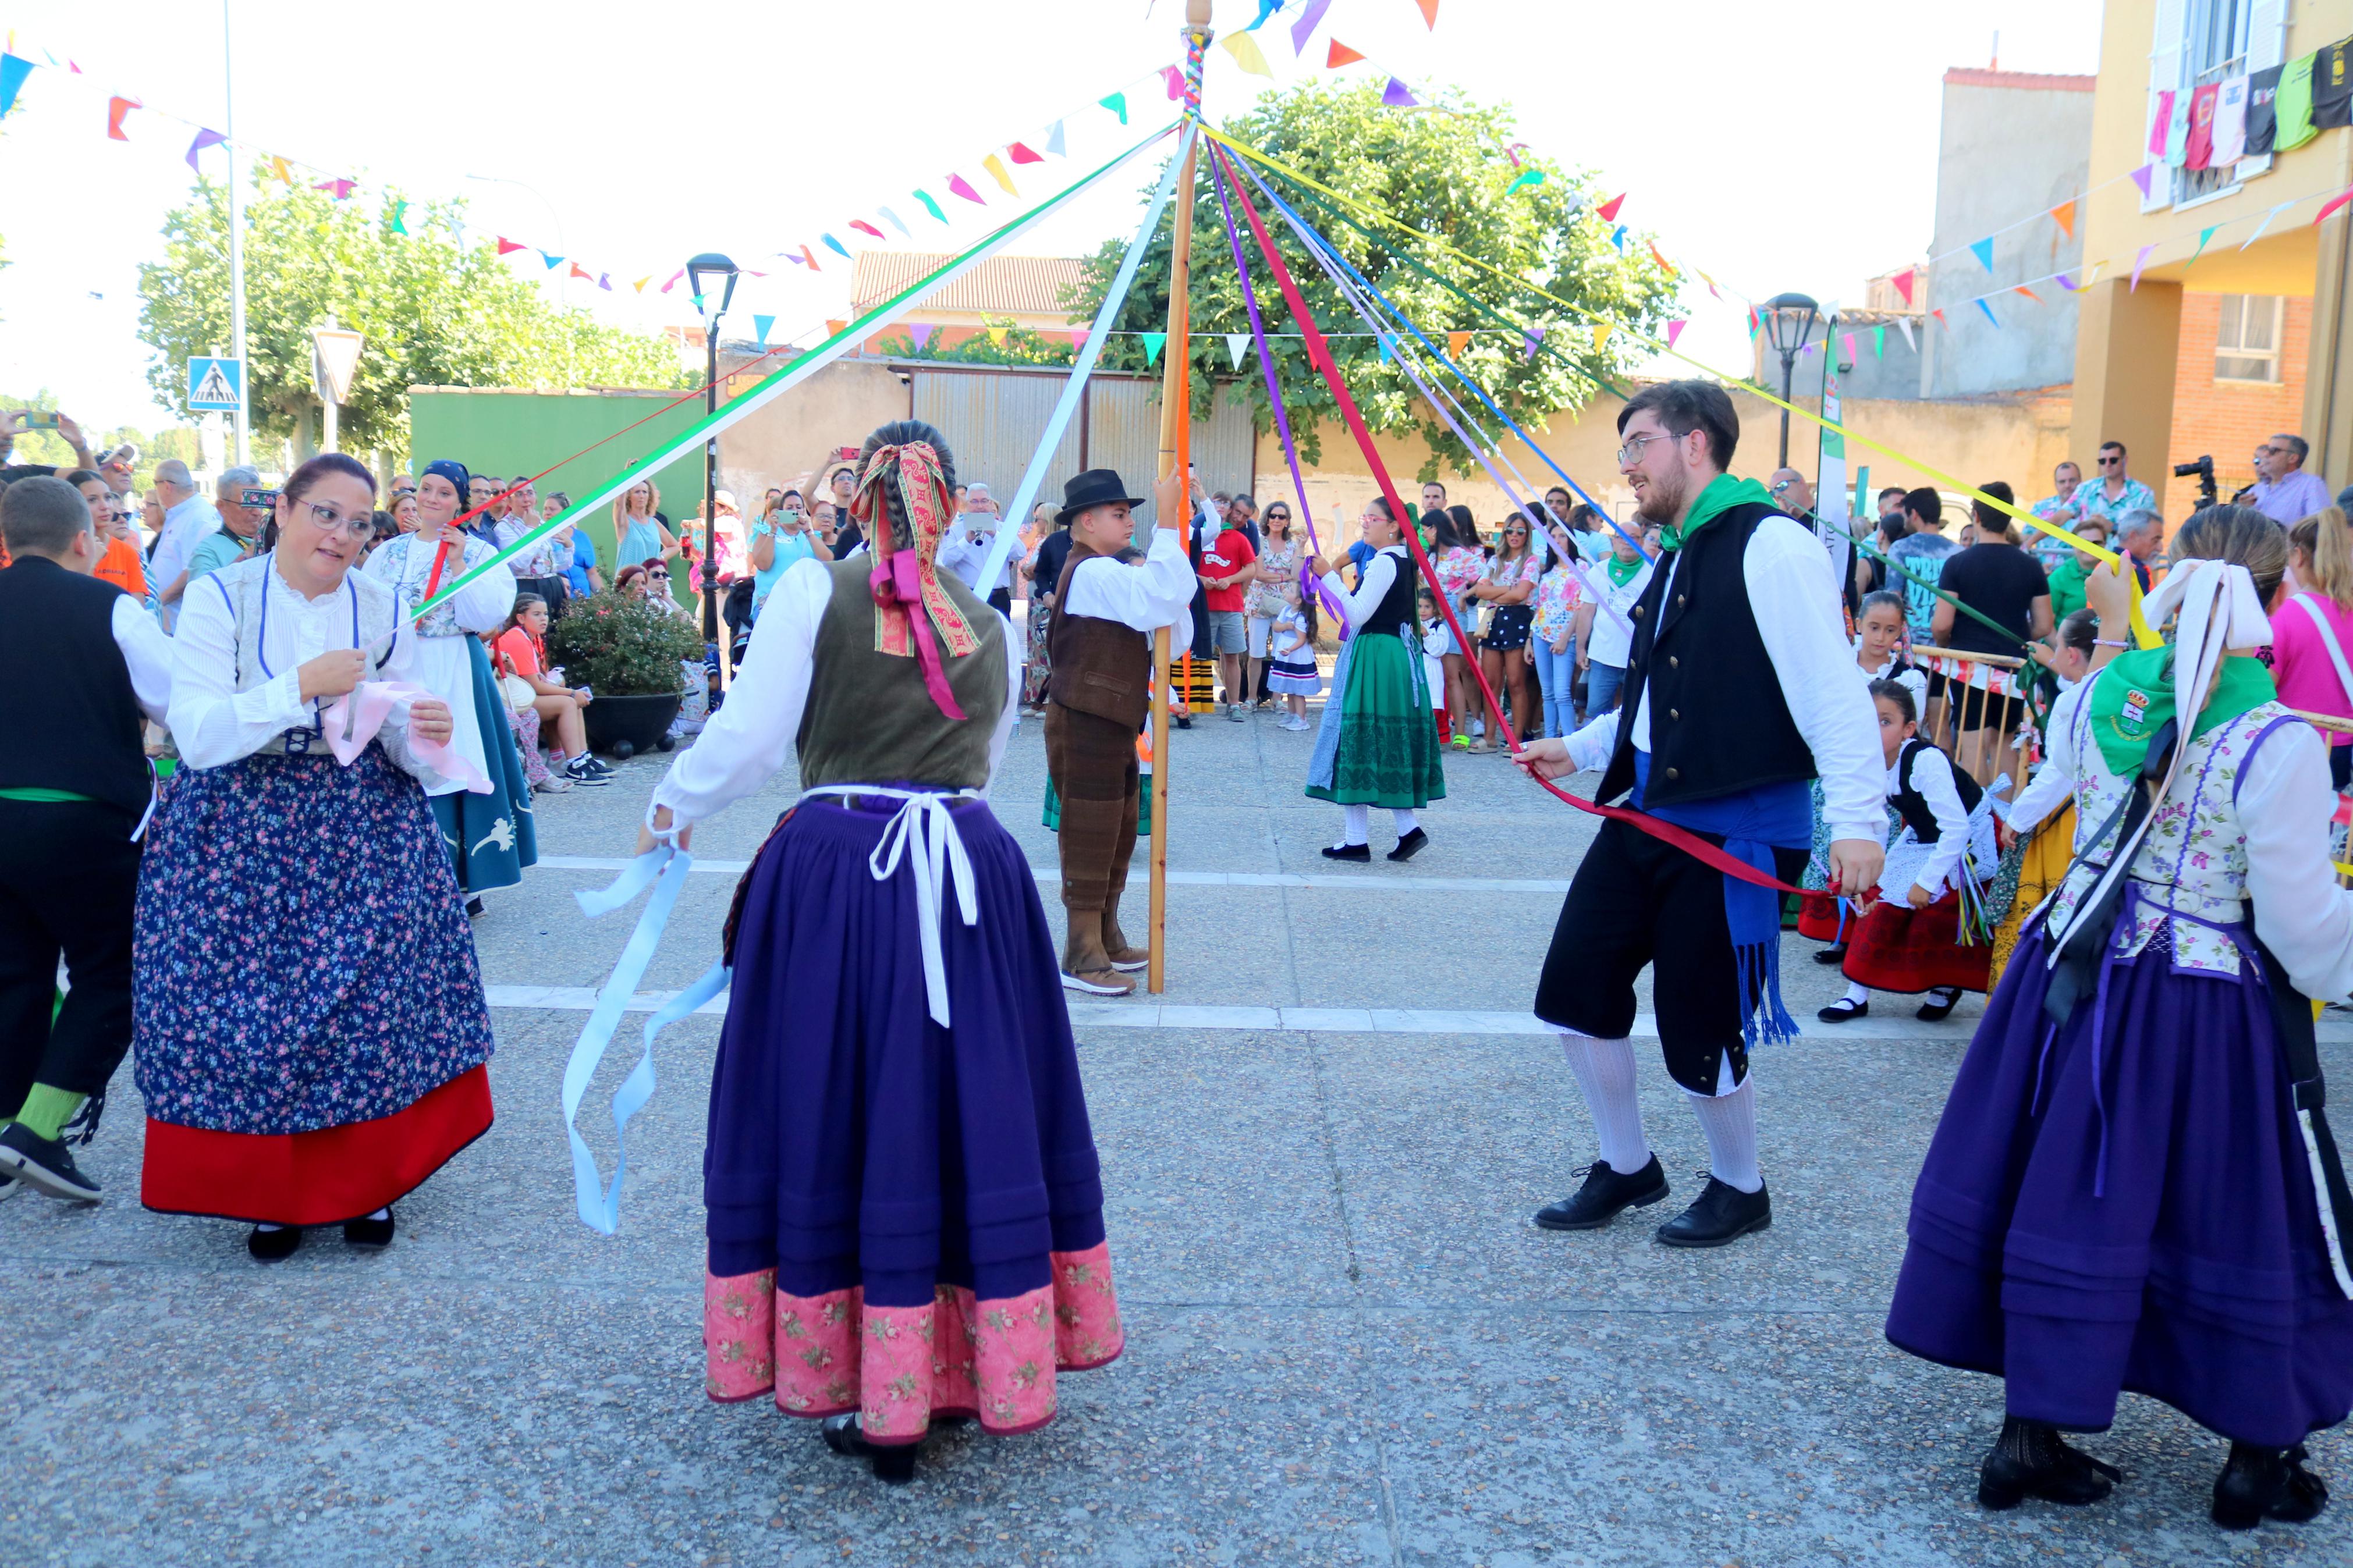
[1622, 571]
[2134, 697]
[1722, 493]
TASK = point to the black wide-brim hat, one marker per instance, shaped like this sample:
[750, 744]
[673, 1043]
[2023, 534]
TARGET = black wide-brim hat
[1096, 487]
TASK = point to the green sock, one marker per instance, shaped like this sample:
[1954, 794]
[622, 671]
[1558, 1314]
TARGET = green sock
[47, 1110]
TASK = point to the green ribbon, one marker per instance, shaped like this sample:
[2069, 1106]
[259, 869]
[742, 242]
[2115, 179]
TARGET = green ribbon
[2132, 698]
[1722, 493]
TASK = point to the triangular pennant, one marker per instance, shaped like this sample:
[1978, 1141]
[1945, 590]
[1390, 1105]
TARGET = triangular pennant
[919, 334]
[1428, 13]
[1175, 79]
[2022, 289]
[2277, 208]
[1666, 265]
[1339, 55]
[1903, 281]
[605, 282]
[1617, 239]
[1305, 29]
[641, 284]
[1533, 336]
[862, 227]
[1674, 331]
[835, 329]
[959, 185]
[1879, 342]
[2139, 262]
[1153, 343]
[760, 325]
[1022, 154]
[1989, 316]
[1397, 95]
[13, 72]
[1079, 336]
[1846, 342]
[893, 219]
[2333, 203]
[930, 206]
[1983, 250]
[1054, 140]
[2067, 280]
[2063, 214]
[580, 271]
[2140, 177]
[996, 167]
[399, 222]
[672, 282]
[1608, 209]
[835, 246]
[1456, 343]
[203, 138]
[1711, 284]
[1910, 341]
[1245, 50]
[279, 172]
[808, 259]
[1386, 344]
[1237, 346]
[1117, 104]
[2203, 235]
[997, 336]
[1601, 335]
[339, 189]
[1526, 177]
[553, 261]
[508, 246]
[116, 108]
[1265, 9]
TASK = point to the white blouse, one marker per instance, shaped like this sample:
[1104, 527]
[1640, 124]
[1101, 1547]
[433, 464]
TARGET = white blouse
[1372, 584]
[746, 742]
[2054, 785]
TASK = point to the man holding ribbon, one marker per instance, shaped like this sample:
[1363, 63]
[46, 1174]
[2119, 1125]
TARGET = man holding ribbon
[1740, 690]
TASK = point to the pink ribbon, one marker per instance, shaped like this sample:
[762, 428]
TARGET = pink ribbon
[363, 715]
[895, 581]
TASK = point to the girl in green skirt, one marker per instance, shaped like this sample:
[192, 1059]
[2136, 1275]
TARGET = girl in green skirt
[1378, 743]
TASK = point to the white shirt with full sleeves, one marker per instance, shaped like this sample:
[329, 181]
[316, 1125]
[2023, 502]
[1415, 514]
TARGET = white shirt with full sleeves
[147, 654]
[1932, 777]
[436, 656]
[747, 740]
[1153, 592]
[1795, 602]
[2284, 805]
[1373, 582]
[213, 723]
[2054, 785]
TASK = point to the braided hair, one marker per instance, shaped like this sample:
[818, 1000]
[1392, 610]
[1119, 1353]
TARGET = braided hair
[901, 433]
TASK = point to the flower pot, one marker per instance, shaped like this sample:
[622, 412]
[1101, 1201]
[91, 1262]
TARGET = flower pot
[625, 726]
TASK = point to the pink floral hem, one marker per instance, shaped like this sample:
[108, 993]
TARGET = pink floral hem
[900, 1366]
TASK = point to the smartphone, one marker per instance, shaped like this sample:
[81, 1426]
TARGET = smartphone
[39, 419]
[259, 498]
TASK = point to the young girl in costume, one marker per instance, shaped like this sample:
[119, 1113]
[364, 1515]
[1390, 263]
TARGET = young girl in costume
[1378, 746]
[903, 1204]
[1917, 930]
[1879, 654]
[1291, 670]
[1435, 640]
[2133, 1185]
[2043, 815]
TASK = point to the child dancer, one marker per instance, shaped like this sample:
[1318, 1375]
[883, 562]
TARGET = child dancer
[1435, 642]
[1879, 653]
[1290, 653]
[1917, 943]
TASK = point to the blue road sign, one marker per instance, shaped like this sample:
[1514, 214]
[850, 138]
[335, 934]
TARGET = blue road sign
[213, 384]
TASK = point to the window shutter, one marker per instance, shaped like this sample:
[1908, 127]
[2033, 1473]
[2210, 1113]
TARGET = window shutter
[2266, 46]
[2165, 75]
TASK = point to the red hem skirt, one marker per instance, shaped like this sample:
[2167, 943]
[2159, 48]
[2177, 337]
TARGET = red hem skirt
[1818, 919]
[314, 1178]
[1899, 948]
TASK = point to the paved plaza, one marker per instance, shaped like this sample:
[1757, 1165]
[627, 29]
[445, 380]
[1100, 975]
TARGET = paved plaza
[1346, 1343]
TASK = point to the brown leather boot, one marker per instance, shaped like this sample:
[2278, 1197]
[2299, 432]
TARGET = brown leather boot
[1086, 968]
[1123, 957]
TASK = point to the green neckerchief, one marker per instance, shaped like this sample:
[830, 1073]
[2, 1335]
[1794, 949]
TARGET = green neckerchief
[1622, 571]
[2134, 697]
[1722, 493]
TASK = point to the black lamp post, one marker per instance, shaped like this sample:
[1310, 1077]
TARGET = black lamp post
[705, 272]
[1788, 321]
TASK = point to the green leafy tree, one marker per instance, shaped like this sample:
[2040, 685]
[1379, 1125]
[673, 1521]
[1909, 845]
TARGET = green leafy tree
[435, 312]
[1442, 171]
[1021, 346]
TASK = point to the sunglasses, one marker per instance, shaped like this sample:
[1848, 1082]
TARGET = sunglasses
[2110, 462]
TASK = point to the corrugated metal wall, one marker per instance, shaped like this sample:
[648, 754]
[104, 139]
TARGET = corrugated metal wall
[994, 420]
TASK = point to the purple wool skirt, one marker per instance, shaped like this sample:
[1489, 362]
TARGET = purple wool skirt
[2133, 1214]
[903, 1219]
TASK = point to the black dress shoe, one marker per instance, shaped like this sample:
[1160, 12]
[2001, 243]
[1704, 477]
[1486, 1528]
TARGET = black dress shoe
[45, 1165]
[1721, 1212]
[1183, 720]
[1349, 852]
[2257, 1484]
[1831, 954]
[891, 1462]
[1941, 1002]
[1604, 1194]
[274, 1245]
[2030, 1460]
[1840, 1011]
[1410, 845]
[373, 1233]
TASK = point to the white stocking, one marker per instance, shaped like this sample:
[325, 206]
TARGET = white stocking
[1729, 1121]
[1405, 822]
[1356, 825]
[1605, 1072]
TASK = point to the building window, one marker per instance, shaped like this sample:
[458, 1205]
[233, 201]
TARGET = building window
[2247, 345]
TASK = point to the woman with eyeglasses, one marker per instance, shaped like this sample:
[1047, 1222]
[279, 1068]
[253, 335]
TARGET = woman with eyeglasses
[1509, 584]
[1278, 569]
[310, 1031]
[490, 837]
[1378, 744]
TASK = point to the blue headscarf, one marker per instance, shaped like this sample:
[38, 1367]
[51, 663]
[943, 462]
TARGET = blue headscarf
[454, 472]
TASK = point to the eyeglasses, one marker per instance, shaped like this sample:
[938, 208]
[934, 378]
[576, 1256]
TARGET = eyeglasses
[1784, 485]
[359, 526]
[1631, 452]
[2110, 462]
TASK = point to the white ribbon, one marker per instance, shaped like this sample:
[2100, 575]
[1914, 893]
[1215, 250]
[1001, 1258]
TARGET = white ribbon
[924, 823]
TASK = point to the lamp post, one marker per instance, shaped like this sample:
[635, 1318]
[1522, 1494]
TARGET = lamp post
[705, 272]
[1788, 321]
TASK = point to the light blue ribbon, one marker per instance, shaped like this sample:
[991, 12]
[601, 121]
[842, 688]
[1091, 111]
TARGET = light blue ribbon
[663, 869]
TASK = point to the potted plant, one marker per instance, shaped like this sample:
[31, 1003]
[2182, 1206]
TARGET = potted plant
[631, 654]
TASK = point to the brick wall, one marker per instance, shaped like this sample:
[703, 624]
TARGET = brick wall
[2227, 419]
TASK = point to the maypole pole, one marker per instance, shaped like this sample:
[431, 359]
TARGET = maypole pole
[1176, 457]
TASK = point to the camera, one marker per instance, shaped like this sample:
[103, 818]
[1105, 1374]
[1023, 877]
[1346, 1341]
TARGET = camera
[254, 497]
[2204, 468]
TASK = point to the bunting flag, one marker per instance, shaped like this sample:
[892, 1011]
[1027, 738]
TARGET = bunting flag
[2022, 289]
[1904, 281]
[2203, 235]
[1455, 343]
[2067, 280]
[398, 222]
[1153, 343]
[580, 271]
[2276, 209]
[203, 138]
[1237, 346]
[1752, 320]
[1054, 141]
[934, 207]
[1176, 80]
[1601, 335]
[2140, 177]
[1265, 9]
[862, 227]
[996, 167]
[641, 284]
[2333, 203]
[1526, 177]
[280, 173]
[1116, 103]
[1668, 266]
[2139, 262]
[1711, 284]
[1399, 96]
[551, 260]
[1939, 315]
[1674, 331]
[508, 246]
[760, 325]
[13, 72]
[672, 282]
[835, 246]
[2063, 214]
[1846, 342]
[1988, 311]
[1535, 338]
[1617, 239]
[116, 108]
[1428, 13]
[340, 189]
[997, 336]
[1340, 54]
[1305, 29]
[919, 334]
[893, 219]
[1022, 154]
[605, 282]
[1879, 342]
[1910, 340]
[1983, 250]
[1245, 50]
[959, 185]
[1079, 336]
[1608, 209]
[808, 259]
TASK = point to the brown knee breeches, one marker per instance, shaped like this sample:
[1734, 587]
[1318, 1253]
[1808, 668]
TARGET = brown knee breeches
[1093, 763]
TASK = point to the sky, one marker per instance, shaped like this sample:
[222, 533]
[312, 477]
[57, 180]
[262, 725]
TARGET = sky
[1782, 147]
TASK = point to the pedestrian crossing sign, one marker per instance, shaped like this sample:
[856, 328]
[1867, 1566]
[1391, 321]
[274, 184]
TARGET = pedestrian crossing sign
[213, 384]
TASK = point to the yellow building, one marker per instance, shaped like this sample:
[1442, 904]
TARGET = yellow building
[2238, 327]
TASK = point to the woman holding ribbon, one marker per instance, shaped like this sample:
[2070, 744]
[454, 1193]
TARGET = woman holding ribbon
[904, 1213]
[311, 1030]
[490, 835]
[1378, 743]
[2133, 1185]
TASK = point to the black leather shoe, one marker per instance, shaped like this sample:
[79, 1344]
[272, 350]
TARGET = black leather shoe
[891, 1462]
[2030, 1460]
[2257, 1484]
[1840, 1011]
[1410, 845]
[274, 1245]
[373, 1233]
[45, 1165]
[1831, 954]
[1720, 1214]
[1349, 852]
[1604, 1194]
[1941, 1002]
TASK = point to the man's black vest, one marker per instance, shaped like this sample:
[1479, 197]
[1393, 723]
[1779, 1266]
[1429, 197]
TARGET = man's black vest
[1718, 722]
[72, 719]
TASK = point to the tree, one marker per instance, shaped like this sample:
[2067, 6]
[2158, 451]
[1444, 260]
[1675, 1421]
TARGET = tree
[1441, 170]
[1021, 346]
[435, 312]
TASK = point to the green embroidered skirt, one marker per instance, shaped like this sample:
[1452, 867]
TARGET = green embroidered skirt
[1388, 752]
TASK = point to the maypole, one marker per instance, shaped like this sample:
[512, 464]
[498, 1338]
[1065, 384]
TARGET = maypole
[1176, 457]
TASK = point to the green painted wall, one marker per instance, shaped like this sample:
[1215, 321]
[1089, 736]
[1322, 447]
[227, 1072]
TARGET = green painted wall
[505, 432]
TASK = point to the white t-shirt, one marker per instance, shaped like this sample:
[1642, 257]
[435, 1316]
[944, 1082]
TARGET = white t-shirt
[1610, 642]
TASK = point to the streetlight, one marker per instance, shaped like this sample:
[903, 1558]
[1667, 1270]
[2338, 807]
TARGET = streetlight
[1788, 321]
[704, 273]
[564, 282]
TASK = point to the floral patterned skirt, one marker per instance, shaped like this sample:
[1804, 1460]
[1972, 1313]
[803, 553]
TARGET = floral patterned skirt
[310, 1024]
[904, 1220]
